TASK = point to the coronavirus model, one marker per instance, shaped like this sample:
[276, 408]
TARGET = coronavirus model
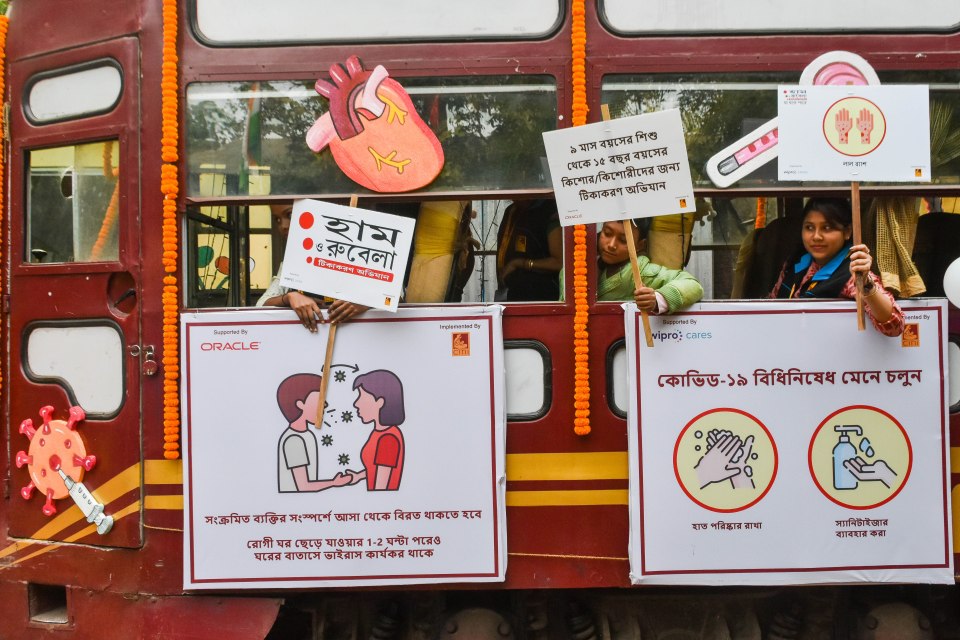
[54, 447]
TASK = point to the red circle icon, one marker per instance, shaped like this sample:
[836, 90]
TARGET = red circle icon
[306, 220]
[307, 244]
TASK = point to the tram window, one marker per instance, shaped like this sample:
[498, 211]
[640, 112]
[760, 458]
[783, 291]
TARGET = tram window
[490, 128]
[528, 379]
[73, 210]
[458, 251]
[737, 16]
[77, 92]
[719, 109]
[305, 21]
[618, 395]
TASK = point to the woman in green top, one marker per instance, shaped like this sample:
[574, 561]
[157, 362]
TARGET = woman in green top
[664, 290]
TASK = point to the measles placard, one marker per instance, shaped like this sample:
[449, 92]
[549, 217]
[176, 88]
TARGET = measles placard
[770, 446]
[632, 167]
[400, 480]
[854, 133]
[347, 253]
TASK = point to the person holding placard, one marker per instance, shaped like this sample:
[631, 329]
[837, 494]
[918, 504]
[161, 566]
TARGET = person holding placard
[664, 290]
[828, 263]
[305, 306]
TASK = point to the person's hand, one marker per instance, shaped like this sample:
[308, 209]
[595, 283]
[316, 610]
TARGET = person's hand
[646, 299]
[860, 260]
[513, 265]
[879, 471]
[341, 311]
[306, 309]
[352, 475]
[342, 479]
[716, 465]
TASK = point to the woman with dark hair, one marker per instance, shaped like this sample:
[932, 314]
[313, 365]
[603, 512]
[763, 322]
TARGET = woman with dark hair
[664, 290]
[828, 263]
[380, 402]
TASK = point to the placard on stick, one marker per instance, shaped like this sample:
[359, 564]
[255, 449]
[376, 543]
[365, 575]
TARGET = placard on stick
[631, 167]
[855, 133]
[347, 253]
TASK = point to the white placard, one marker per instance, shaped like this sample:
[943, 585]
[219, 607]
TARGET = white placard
[748, 413]
[347, 253]
[854, 133]
[439, 514]
[632, 167]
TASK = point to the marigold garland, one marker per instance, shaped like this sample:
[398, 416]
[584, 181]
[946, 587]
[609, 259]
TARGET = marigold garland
[169, 187]
[3, 87]
[581, 335]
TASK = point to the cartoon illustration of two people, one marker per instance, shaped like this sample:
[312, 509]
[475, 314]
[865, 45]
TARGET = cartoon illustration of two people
[379, 402]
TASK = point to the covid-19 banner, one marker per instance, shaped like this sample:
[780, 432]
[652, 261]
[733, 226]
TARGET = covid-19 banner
[773, 443]
[395, 478]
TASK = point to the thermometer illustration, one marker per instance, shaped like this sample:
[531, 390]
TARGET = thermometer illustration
[759, 147]
[92, 509]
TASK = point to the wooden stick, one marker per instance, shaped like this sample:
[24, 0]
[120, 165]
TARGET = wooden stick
[857, 239]
[632, 250]
[331, 339]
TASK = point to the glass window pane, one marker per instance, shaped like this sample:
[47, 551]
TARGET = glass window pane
[73, 210]
[210, 285]
[75, 94]
[303, 21]
[719, 109]
[252, 135]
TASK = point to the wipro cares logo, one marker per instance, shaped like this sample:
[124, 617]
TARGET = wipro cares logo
[668, 336]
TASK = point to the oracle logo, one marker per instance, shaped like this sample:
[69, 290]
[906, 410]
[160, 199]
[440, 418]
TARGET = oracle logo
[229, 346]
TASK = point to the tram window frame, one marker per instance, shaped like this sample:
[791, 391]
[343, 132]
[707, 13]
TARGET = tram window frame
[52, 74]
[234, 220]
[473, 126]
[549, 32]
[718, 96]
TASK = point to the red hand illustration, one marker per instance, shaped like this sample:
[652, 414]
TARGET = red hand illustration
[844, 123]
[865, 125]
[376, 136]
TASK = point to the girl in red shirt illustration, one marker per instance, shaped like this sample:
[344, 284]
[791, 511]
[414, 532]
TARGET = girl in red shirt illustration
[380, 402]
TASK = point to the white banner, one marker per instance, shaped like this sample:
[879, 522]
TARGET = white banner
[401, 484]
[347, 253]
[633, 167]
[854, 133]
[782, 446]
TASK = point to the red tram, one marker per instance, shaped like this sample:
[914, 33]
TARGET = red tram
[96, 269]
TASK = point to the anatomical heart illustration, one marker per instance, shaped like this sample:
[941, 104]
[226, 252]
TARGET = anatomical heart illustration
[376, 136]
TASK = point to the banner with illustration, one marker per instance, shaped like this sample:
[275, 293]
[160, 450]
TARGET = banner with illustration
[399, 482]
[771, 443]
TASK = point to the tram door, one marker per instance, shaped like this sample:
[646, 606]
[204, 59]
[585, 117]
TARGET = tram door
[75, 292]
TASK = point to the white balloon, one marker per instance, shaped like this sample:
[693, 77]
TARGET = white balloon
[951, 282]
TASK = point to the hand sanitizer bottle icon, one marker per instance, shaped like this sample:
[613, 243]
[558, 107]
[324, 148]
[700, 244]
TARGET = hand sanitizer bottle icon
[843, 451]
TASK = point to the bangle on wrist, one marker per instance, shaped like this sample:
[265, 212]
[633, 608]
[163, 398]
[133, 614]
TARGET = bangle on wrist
[283, 299]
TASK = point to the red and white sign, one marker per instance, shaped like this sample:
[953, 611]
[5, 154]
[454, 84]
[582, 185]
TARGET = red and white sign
[347, 253]
[400, 480]
[769, 444]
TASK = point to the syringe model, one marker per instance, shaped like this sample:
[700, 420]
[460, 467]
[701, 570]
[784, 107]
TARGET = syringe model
[90, 507]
